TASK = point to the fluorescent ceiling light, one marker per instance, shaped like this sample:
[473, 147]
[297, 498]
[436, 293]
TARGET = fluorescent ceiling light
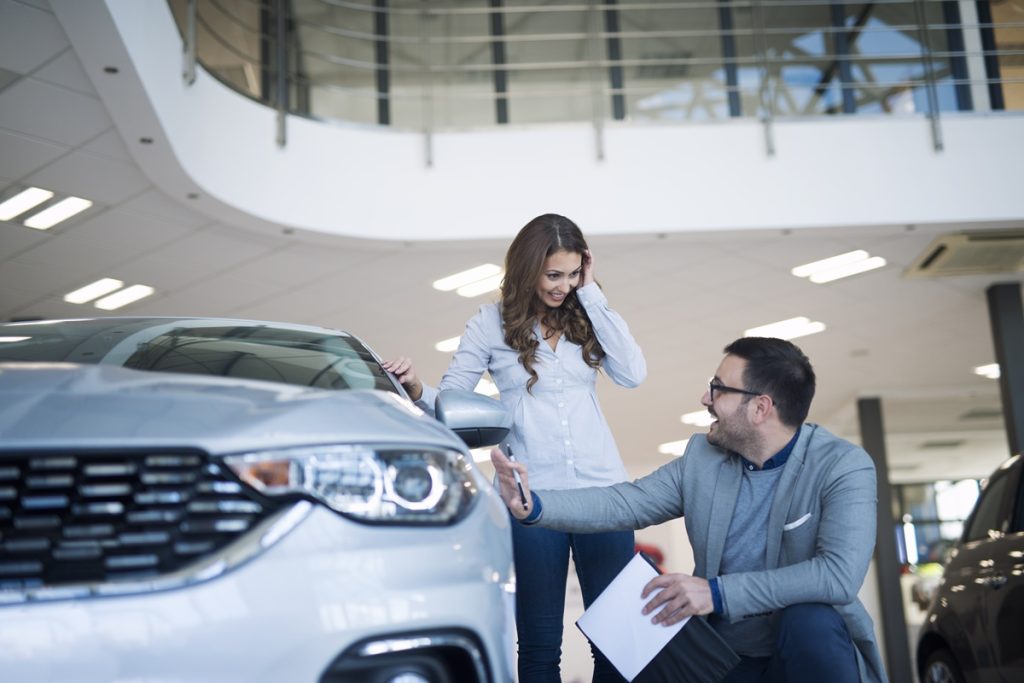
[448, 345]
[991, 370]
[787, 329]
[447, 284]
[700, 418]
[124, 297]
[486, 387]
[10, 340]
[488, 284]
[836, 267]
[831, 262]
[22, 202]
[61, 211]
[93, 291]
[673, 447]
[848, 270]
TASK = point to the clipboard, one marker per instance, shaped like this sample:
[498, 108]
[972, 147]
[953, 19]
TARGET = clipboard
[688, 652]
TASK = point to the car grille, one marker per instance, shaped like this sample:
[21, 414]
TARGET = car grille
[109, 516]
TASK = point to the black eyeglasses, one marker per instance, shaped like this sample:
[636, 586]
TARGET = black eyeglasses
[714, 386]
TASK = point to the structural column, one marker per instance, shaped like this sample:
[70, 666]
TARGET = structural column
[1007, 317]
[887, 565]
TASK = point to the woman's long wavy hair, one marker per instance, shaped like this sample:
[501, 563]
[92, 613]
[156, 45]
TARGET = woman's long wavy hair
[524, 263]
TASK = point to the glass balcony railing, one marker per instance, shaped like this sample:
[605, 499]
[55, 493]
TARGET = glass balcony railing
[428, 66]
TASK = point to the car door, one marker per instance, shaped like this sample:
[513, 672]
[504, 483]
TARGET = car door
[974, 579]
[1003, 585]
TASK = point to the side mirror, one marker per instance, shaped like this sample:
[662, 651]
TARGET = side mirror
[477, 419]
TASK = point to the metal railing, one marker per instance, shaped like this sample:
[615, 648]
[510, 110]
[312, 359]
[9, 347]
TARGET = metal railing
[428, 66]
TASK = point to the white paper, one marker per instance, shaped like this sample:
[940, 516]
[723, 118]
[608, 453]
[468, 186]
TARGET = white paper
[616, 624]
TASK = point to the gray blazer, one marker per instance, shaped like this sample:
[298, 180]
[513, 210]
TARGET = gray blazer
[821, 526]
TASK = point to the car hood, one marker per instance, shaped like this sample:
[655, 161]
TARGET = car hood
[62, 405]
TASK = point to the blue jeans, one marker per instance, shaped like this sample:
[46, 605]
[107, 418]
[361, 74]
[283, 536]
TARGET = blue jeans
[542, 565]
[811, 644]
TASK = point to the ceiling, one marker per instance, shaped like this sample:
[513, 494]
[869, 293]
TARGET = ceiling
[912, 342]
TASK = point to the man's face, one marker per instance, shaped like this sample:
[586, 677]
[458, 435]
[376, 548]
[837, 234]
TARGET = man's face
[732, 429]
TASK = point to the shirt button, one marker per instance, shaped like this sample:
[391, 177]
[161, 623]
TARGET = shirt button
[567, 442]
[564, 422]
[561, 405]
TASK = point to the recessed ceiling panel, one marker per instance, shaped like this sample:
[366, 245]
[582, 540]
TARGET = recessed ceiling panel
[66, 71]
[22, 155]
[92, 177]
[52, 113]
[28, 37]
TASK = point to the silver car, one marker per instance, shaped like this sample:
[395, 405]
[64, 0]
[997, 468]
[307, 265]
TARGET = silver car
[223, 500]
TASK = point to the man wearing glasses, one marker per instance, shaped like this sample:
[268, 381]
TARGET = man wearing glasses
[780, 514]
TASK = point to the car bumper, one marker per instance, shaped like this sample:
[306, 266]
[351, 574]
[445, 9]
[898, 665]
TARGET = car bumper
[286, 614]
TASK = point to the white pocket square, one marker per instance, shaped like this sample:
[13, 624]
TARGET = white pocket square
[793, 525]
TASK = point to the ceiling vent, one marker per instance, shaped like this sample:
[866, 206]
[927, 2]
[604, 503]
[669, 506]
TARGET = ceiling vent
[982, 414]
[940, 444]
[971, 253]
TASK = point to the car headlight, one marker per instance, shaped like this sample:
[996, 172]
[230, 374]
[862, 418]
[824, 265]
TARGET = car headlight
[375, 484]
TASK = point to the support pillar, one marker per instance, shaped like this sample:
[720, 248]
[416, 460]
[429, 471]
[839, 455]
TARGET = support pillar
[1007, 317]
[887, 566]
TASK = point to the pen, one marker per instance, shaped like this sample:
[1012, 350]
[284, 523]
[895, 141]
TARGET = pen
[519, 482]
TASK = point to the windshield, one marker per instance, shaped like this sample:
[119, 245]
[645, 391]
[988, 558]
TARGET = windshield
[225, 348]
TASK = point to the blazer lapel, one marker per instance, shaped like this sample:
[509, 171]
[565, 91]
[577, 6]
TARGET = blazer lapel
[723, 504]
[784, 496]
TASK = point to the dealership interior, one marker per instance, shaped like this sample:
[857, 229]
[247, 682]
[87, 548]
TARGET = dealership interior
[328, 163]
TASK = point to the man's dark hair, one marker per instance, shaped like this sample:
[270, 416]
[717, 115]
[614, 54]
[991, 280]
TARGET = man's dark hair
[779, 369]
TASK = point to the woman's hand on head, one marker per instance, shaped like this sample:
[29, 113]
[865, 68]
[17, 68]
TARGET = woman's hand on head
[404, 371]
[587, 276]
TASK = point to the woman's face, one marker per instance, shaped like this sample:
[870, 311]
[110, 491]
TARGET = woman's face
[560, 275]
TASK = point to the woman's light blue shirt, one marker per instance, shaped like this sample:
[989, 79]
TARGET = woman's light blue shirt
[558, 430]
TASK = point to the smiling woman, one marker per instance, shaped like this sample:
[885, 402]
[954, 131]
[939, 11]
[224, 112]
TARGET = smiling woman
[543, 346]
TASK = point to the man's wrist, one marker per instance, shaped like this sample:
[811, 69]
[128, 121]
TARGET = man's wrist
[716, 596]
[535, 513]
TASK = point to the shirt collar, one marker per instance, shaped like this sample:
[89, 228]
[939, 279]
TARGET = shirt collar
[777, 460]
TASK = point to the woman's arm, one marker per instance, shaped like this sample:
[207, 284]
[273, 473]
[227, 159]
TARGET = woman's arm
[624, 361]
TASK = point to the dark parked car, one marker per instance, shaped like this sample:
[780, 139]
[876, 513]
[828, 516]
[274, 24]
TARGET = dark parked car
[975, 628]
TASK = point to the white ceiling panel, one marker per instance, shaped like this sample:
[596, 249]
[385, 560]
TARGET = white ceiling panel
[29, 36]
[65, 257]
[155, 203]
[218, 296]
[165, 276]
[93, 177]
[298, 265]
[109, 144]
[23, 155]
[206, 250]
[29, 277]
[131, 234]
[41, 4]
[52, 113]
[66, 71]
[14, 299]
[15, 238]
